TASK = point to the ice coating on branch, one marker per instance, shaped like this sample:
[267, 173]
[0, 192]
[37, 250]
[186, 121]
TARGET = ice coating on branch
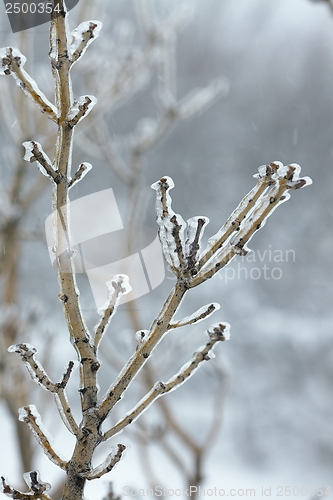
[118, 286]
[34, 483]
[140, 337]
[277, 171]
[81, 108]
[9, 55]
[23, 349]
[219, 331]
[82, 171]
[194, 231]
[34, 152]
[83, 36]
[171, 225]
[199, 315]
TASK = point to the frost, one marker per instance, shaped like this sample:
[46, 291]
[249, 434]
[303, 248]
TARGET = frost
[88, 30]
[145, 132]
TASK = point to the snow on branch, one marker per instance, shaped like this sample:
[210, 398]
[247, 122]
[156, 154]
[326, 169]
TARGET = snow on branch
[36, 491]
[218, 332]
[12, 62]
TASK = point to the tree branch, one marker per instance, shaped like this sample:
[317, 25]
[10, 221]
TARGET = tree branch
[111, 460]
[216, 333]
[36, 488]
[30, 416]
[12, 63]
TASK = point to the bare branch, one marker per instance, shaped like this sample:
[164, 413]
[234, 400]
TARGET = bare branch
[111, 460]
[36, 488]
[31, 417]
[12, 62]
[217, 333]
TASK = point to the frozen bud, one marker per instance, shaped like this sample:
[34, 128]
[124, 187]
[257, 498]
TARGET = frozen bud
[219, 332]
[88, 30]
[24, 350]
[140, 337]
[34, 483]
[10, 56]
[159, 387]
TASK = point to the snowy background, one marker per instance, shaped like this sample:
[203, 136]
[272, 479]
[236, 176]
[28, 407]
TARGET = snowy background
[277, 415]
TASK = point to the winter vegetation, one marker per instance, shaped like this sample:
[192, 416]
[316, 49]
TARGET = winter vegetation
[191, 262]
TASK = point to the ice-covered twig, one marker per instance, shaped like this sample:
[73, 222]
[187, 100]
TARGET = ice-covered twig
[112, 459]
[201, 314]
[81, 172]
[34, 152]
[170, 227]
[274, 182]
[12, 62]
[82, 37]
[31, 417]
[198, 100]
[118, 286]
[217, 333]
[38, 374]
[80, 108]
[36, 491]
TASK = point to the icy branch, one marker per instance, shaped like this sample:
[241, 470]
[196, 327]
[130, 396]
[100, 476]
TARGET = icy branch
[201, 314]
[112, 459]
[34, 152]
[274, 182]
[31, 417]
[81, 108]
[171, 227]
[81, 172]
[217, 333]
[38, 374]
[36, 488]
[82, 37]
[118, 286]
[12, 62]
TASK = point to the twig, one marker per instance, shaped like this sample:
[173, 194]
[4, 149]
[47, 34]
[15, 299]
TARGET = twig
[31, 417]
[13, 62]
[217, 333]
